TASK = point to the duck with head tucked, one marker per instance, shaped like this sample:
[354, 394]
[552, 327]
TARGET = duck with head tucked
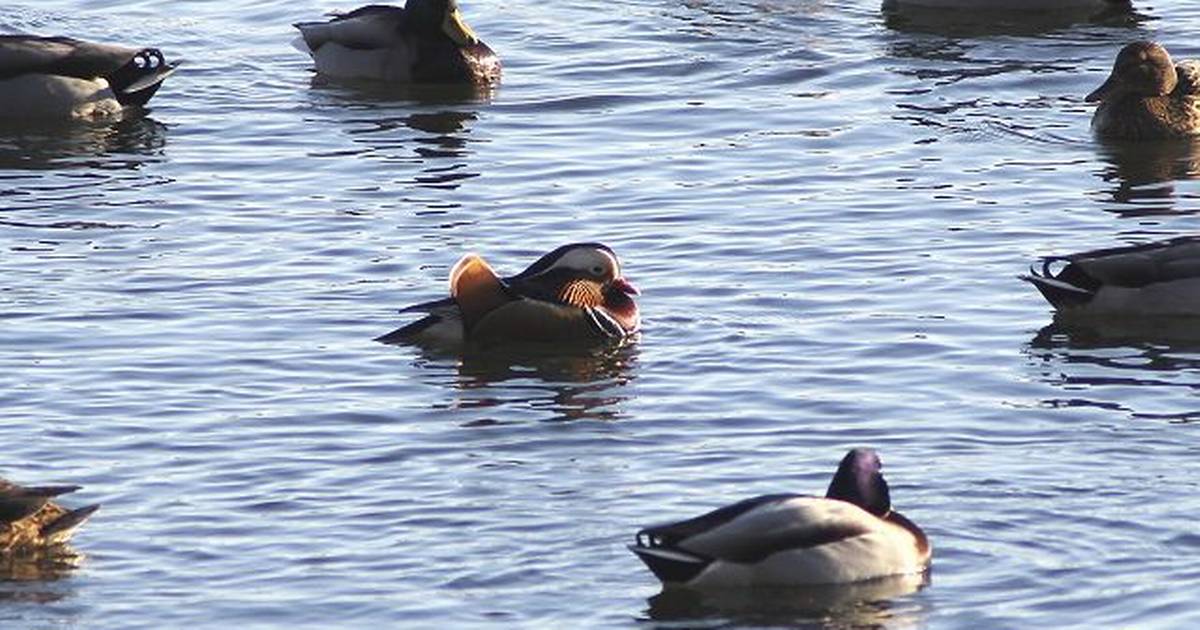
[1148, 96]
[1152, 279]
[60, 77]
[850, 535]
[575, 293]
[30, 519]
[426, 41]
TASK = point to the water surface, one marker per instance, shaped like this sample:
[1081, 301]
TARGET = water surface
[825, 205]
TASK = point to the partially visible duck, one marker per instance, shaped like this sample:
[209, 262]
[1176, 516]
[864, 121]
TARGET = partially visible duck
[1037, 6]
[426, 41]
[575, 293]
[849, 535]
[1148, 96]
[1160, 278]
[60, 77]
[30, 519]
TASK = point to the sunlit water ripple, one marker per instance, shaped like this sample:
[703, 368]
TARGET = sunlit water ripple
[825, 205]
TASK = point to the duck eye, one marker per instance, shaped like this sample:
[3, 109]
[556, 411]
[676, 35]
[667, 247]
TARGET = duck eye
[597, 270]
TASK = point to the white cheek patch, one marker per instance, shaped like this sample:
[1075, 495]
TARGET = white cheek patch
[586, 259]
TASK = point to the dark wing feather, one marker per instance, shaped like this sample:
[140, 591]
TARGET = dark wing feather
[1139, 265]
[670, 534]
[63, 56]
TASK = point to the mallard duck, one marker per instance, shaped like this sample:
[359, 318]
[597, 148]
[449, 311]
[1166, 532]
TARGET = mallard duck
[1147, 96]
[427, 41]
[1160, 278]
[60, 77]
[574, 293]
[849, 535]
[29, 519]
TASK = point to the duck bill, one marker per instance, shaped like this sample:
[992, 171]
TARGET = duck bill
[624, 286]
[456, 29]
[1104, 92]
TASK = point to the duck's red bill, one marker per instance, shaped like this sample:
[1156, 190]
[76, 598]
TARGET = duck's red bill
[624, 286]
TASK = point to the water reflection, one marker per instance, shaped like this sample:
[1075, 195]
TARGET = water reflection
[861, 605]
[383, 121]
[1110, 364]
[976, 23]
[47, 145]
[1142, 174]
[38, 565]
[555, 385]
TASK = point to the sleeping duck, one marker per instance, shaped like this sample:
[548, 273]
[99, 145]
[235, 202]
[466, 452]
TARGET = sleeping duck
[29, 519]
[60, 77]
[575, 293]
[1160, 278]
[849, 535]
[1147, 96]
[427, 41]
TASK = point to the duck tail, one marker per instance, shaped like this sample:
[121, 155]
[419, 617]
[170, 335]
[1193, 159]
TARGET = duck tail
[1069, 288]
[407, 332]
[136, 81]
[61, 528]
[670, 565]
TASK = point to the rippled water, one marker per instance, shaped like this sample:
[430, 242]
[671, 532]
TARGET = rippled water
[826, 207]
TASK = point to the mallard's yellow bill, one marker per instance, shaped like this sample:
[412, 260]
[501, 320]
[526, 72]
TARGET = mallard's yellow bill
[457, 29]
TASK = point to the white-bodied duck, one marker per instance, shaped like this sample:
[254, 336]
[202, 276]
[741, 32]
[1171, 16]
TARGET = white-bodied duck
[1161, 278]
[1148, 96]
[30, 519]
[426, 41]
[849, 535]
[575, 293]
[61, 77]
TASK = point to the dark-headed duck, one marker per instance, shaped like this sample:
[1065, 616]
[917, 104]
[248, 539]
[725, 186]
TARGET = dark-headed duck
[426, 41]
[849, 535]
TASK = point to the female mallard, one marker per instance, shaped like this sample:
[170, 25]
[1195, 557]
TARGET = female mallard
[30, 520]
[60, 77]
[850, 535]
[574, 293]
[1147, 96]
[427, 41]
[1160, 278]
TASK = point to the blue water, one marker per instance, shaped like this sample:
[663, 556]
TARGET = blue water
[826, 208]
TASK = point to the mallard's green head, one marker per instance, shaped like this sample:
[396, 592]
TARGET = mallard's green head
[434, 15]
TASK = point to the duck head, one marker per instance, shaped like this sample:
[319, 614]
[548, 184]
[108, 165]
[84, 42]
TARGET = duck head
[584, 275]
[859, 480]
[431, 16]
[1142, 69]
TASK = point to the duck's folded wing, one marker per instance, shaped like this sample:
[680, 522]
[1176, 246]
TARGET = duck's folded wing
[531, 320]
[670, 534]
[781, 525]
[1140, 265]
[22, 54]
[368, 27]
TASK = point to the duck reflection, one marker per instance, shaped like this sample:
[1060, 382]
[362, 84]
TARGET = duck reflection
[1095, 361]
[382, 120]
[39, 565]
[43, 145]
[976, 22]
[863, 604]
[578, 384]
[1142, 174]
